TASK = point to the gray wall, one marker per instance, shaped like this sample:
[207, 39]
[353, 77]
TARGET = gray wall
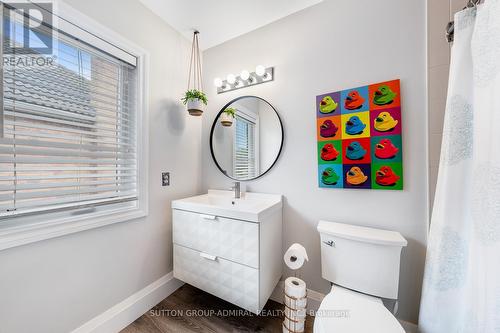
[332, 46]
[56, 285]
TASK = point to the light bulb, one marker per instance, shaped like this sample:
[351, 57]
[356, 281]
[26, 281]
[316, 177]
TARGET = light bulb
[245, 75]
[218, 82]
[260, 70]
[231, 79]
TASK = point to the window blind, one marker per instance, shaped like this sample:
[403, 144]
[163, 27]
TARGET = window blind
[69, 128]
[244, 149]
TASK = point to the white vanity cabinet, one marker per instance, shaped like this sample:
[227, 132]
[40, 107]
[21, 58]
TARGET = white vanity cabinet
[231, 248]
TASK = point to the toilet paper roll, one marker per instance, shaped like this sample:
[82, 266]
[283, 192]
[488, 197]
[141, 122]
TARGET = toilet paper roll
[289, 326]
[293, 304]
[297, 315]
[295, 287]
[295, 256]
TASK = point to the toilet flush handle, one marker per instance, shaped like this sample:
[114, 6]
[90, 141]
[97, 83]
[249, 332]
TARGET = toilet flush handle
[330, 243]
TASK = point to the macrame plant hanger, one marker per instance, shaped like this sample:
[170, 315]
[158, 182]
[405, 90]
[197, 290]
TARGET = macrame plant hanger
[195, 78]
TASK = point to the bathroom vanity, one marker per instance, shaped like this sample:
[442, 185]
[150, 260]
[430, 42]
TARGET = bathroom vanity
[231, 248]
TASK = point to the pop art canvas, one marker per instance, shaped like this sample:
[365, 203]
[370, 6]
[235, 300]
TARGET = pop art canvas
[359, 137]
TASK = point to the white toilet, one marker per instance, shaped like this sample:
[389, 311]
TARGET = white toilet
[363, 265]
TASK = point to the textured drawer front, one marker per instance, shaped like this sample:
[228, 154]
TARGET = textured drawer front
[235, 283]
[230, 239]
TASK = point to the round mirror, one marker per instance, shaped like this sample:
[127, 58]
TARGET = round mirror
[246, 138]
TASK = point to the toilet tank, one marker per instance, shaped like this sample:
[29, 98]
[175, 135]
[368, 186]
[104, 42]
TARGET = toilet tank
[360, 258]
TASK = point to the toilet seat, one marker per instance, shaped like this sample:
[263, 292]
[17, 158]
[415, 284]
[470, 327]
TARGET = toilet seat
[347, 311]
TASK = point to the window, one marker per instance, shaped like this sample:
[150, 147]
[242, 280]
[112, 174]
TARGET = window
[244, 158]
[70, 127]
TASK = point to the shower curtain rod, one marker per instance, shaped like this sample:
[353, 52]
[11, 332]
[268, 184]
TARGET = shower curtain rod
[450, 27]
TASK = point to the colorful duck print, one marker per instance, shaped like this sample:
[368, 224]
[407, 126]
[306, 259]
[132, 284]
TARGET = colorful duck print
[329, 153]
[328, 129]
[385, 122]
[329, 177]
[354, 126]
[385, 149]
[327, 105]
[355, 176]
[385, 176]
[384, 95]
[355, 151]
[354, 100]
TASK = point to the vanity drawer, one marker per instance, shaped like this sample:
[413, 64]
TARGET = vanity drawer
[230, 239]
[235, 283]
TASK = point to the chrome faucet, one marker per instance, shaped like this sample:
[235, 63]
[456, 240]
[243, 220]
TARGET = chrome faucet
[237, 190]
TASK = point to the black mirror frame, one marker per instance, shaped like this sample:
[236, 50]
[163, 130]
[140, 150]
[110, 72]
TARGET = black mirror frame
[213, 129]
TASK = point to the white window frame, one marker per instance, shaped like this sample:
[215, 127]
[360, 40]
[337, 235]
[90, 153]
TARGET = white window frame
[249, 115]
[29, 230]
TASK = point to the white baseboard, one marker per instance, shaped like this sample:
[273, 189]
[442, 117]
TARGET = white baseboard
[314, 298]
[124, 313]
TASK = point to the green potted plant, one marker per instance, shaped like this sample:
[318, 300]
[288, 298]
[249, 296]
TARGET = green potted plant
[195, 99]
[227, 116]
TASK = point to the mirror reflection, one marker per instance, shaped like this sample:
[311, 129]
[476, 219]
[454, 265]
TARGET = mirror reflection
[246, 138]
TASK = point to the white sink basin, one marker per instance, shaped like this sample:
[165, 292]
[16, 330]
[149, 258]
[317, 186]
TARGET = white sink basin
[222, 203]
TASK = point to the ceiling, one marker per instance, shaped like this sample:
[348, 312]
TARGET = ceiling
[222, 20]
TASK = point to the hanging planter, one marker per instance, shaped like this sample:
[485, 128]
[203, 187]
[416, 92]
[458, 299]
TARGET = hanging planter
[194, 98]
[227, 117]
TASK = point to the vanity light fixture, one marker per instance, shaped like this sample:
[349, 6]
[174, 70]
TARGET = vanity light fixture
[231, 79]
[218, 82]
[245, 75]
[260, 70]
[262, 74]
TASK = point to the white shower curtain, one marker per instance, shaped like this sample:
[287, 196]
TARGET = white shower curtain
[461, 291]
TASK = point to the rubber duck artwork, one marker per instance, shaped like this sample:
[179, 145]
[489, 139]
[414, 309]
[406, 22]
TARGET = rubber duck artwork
[329, 177]
[384, 95]
[354, 100]
[354, 126]
[384, 122]
[355, 151]
[355, 176]
[385, 149]
[329, 153]
[385, 176]
[327, 105]
[328, 129]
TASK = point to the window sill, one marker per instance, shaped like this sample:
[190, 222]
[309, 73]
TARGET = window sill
[17, 236]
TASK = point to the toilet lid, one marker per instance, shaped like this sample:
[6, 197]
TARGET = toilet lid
[347, 311]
